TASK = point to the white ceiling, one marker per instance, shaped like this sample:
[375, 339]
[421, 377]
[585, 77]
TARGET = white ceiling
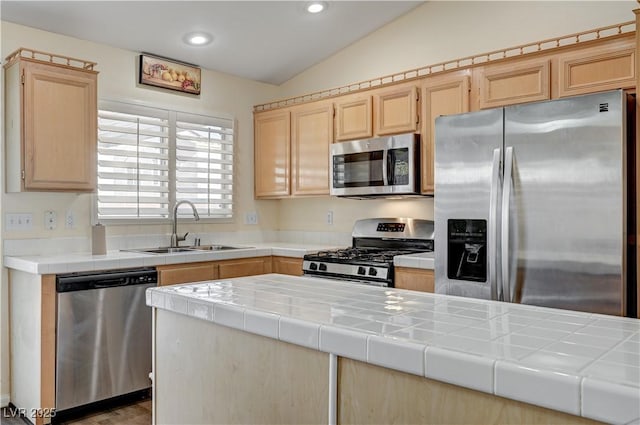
[269, 41]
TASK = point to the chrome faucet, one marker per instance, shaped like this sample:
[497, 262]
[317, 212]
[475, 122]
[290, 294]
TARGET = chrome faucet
[175, 239]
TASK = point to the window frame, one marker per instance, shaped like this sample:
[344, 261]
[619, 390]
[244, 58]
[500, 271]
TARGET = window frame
[183, 213]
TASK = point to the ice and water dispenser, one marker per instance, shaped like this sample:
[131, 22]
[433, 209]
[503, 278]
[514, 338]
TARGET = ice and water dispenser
[467, 250]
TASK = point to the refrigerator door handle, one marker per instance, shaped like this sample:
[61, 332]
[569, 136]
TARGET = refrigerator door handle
[506, 200]
[496, 291]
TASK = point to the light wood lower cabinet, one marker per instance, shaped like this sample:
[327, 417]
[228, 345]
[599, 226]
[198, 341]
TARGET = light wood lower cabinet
[414, 279]
[373, 394]
[287, 265]
[194, 272]
[184, 273]
[243, 267]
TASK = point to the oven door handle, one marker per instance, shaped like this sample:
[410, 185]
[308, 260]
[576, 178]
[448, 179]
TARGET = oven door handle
[391, 176]
[385, 168]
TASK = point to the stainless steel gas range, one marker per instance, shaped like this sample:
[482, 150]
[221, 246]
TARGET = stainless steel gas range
[370, 258]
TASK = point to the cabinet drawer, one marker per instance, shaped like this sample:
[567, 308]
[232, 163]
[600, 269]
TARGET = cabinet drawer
[186, 273]
[244, 267]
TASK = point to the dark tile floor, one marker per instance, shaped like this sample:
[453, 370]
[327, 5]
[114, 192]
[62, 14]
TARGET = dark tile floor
[132, 414]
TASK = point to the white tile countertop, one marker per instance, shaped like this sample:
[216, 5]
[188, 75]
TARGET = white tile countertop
[580, 363]
[80, 262]
[421, 260]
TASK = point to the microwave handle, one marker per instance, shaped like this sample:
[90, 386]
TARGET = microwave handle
[385, 168]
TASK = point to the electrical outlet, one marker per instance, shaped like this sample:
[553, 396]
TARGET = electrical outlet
[251, 218]
[329, 217]
[50, 220]
[69, 220]
[19, 221]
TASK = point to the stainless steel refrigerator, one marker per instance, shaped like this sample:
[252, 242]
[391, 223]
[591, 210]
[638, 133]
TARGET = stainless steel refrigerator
[531, 203]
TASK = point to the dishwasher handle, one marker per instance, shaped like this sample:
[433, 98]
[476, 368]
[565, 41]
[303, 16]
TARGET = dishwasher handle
[98, 280]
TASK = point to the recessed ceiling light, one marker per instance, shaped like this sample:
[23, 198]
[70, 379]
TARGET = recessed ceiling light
[198, 38]
[316, 7]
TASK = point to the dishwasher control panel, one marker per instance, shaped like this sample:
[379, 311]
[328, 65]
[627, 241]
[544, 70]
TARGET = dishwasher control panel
[105, 279]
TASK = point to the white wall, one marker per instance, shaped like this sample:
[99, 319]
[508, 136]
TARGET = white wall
[439, 31]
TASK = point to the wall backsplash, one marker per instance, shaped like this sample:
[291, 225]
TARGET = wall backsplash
[310, 214]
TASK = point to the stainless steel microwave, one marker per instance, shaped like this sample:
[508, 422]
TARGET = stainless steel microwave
[384, 166]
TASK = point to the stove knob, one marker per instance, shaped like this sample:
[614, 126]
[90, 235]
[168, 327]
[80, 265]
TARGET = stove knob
[323, 267]
[362, 270]
[372, 271]
[313, 266]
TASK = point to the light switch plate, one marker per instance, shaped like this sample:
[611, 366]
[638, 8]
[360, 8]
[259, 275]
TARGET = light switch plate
[19, 221]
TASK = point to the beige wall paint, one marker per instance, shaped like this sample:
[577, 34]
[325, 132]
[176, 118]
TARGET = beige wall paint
[221, 94]
[443, 30]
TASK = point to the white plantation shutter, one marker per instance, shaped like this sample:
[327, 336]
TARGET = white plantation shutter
[148, 158]
[204, 164]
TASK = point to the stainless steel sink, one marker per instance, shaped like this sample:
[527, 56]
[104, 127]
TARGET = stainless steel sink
[216, 247]
[184, 249]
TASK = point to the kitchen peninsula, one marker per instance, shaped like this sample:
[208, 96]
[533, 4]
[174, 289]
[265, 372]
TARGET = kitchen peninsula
[284, 349]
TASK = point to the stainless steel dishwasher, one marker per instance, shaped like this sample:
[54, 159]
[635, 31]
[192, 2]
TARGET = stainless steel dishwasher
[103, 338]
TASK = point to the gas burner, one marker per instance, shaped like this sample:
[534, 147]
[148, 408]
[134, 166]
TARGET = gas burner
[370, 259]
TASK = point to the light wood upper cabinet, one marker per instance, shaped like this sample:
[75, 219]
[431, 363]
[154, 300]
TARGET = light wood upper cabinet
[311, 136]
[518, 82]
[272, 153]
[597, 68]
[353, 118]
[441, 95]
[51, 126]
[396, 110]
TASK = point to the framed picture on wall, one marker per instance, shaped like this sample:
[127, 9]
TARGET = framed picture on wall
[169, 74]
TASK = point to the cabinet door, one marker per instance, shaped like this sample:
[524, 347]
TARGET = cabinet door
[311, 135]
[526, 81]
[414, 279]
[271, 154]
[597, 69]
[396, 111]
[244, 267]
[186, 273]
[287, 265]
[60, 128]
[443, 95]
[353, 118]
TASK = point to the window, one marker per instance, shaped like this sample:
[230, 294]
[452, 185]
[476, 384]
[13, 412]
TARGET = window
[149, 158]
